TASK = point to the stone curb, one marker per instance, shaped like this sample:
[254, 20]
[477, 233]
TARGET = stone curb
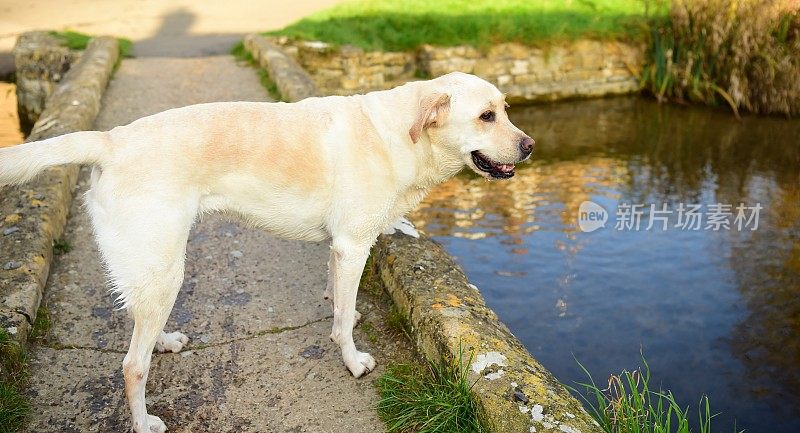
[293, 82]
[41, 60]
[450, 320]
[33, 215]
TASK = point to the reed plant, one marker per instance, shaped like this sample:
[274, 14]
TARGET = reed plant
[628, 403]
[743, 53]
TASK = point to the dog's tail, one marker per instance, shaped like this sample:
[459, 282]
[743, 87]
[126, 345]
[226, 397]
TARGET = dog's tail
[19, 164]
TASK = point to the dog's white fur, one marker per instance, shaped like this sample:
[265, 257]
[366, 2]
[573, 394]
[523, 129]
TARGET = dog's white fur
[342, 168]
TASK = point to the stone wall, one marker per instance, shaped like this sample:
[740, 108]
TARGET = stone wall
[33, 215]
[583, 68]
[41, 61]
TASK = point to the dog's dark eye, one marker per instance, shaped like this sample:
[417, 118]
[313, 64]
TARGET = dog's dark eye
[487, 116]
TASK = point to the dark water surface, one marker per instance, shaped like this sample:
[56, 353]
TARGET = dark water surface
[715, 312]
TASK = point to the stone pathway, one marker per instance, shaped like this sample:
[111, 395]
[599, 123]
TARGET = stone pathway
[259, 359]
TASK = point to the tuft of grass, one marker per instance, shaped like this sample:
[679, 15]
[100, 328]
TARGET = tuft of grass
[240, 53]
[369, 329]
[13, 406]
[125, 47]
[61, 246]
[407, 24]
[269, 84]
[428, 399]
[73, 40]
[13, 359]
[13, 409]
[740, 53]
[42, 324]
[395, 319]
[78, 41]
[369, 280]
[628, 404]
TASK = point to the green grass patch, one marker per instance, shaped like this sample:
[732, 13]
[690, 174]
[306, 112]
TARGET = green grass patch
[628, 404]
[369, 280]
[13, 409]
[428, 399]
[42, 324]
[269, 84]
[393, 318]
[125, 47]
[79, 41]
[240, 53]
[396, 319]
[13, 406]
[407, 24]
[61, 246]
[73, 40]
[369, 330]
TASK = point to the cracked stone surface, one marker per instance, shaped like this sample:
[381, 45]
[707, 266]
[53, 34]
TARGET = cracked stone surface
[251, 304]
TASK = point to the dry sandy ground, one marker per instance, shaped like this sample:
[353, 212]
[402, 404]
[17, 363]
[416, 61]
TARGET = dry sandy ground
[173, 28]
[161, 28]
[9, 121]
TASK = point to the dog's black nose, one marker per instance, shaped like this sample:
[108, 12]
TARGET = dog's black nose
[526, 145]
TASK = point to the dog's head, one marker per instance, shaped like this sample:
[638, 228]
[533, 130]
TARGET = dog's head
[465, 118]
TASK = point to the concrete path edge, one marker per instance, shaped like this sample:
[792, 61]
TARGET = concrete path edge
[448, 317]
[34, 214]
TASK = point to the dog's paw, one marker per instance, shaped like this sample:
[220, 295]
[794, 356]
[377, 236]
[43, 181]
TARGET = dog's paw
[361, 364]
[172, 342]
[155, 423]
[357, 317]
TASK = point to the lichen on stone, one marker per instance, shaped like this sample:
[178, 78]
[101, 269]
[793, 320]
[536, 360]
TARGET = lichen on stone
[487, 359]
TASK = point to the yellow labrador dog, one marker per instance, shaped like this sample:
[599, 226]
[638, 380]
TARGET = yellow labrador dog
[339, 168]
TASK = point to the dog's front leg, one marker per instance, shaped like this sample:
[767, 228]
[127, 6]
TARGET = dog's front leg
[328, 294]
[348, 258]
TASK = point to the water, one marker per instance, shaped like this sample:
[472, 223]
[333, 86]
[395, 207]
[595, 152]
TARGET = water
[714, 312]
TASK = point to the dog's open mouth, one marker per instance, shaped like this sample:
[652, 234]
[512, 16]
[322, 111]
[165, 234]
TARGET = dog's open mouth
[494, 169]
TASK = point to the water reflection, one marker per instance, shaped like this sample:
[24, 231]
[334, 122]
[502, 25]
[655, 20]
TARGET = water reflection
[716, 312]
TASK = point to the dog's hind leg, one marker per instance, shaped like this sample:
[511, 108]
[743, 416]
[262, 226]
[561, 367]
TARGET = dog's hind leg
[150, 305]
[143, 241]
[148, 322]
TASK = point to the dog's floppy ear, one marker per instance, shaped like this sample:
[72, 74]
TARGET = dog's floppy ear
[432, 111]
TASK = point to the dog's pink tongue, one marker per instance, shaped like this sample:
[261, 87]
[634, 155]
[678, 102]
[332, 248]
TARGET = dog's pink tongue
[505, 168]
